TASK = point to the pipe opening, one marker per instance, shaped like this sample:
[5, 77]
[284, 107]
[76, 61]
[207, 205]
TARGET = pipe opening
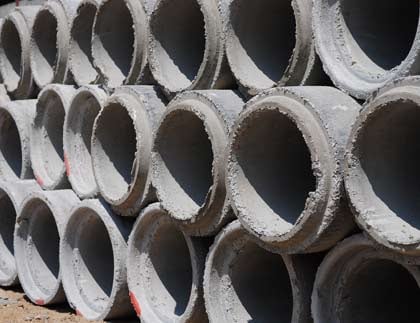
[187, 156]
[85, 108]
[10, 145]
[263, 41]
[170, 274]
[388, 150]
[261, 288]
[274, 168]
[95, 267]
[81, 51]
[11, 54]
[50, 132]
[379, 291]
[179, 29]
[7, 227]
[114, 33]
[42, 246]
[371, 38]
[44, 51]
[115, 150]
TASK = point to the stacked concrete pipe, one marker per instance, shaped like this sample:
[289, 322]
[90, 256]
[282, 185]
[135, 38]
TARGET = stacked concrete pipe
[93, 261]
[78, 126]
[47, 154]
[15, 38]
[120, 41]
[381, 166]
[4, 97]
[285, 167]
[189, 157]
[165, 269]
[270, 42]
[122, 145]
[50, 42]
[39, 227]
[80, 56]
[187, 46]
[358, 281]
[245, 283]
[16, 119]
[12, 194]
[360, 50]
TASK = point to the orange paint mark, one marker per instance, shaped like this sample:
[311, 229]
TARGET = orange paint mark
[67, 164]
[135, 304]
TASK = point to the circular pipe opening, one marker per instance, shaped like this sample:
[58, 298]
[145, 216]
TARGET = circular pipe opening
[114, 40]
[262, 40]
[11, 55]
[48, 126]
[178, 27]
[7, 227]
[274, 169]
[44, 49]
[186, 158]
[80, 120]
[115, 147]
[81, 45]
[379, 291]
[10, 145]
[387, 148]
[371, 39]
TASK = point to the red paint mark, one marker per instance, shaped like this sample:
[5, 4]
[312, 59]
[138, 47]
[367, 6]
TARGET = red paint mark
[39, 180]
[67, 164]
[39, 302]
[135, 304]
[78, 313]
[17, 3]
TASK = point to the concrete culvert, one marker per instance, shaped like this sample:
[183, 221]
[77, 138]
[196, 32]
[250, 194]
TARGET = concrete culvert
[15, 37]
[245, 283]
[360, 50]
[16, 119]
[12, 194]
[361, 282]
[165, 269]
[94, 270]
[186, 47]
[121, 147]
[285, 167]
[80, 59]
[189, 159]
[47, 154]
[39, 226]
[270, 43]
[78, 127]
[381, 174]
[50, 42]
[119, 41]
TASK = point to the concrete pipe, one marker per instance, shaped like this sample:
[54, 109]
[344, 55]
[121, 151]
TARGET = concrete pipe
[361, 51]
[16, 119]
[382, 166]
[94, 270]
[15, 39]
[4, 97]
[285, 168]
[270, 42]
[189, 157]
[186, 49]
[39, 226]
[119, 41]
[50, 42]
[122, 146]
[165, 270]
[47, 154]
[80, 57]
[12, 194]
[78, 127]
[361, 282]
[245, 283]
